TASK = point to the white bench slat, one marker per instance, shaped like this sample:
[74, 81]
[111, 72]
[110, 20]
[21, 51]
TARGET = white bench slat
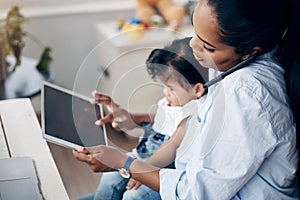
[3, 146]
[24, 138]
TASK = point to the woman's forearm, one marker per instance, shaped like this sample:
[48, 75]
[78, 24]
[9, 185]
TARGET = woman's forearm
[146, 174]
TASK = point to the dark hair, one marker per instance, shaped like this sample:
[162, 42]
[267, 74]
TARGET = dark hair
[291, 62]
[179, 56]
[291, 58]
[245, 24]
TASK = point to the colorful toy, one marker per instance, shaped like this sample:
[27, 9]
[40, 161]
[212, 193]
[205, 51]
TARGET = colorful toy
[120, 21]
[156, 21]
[171, 13]
[134, 30]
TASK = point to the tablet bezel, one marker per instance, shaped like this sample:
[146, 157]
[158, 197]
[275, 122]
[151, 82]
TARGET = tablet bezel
[60, 141]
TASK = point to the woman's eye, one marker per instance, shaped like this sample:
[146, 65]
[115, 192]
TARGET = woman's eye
[208, 49]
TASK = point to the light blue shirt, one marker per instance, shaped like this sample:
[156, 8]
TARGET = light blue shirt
[242, 142]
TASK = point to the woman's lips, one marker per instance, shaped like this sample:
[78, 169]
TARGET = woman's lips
[169, 103]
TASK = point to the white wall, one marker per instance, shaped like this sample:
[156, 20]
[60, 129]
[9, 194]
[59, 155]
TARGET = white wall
[70, 31]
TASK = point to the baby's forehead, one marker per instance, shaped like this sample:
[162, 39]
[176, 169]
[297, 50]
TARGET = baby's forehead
[168, 78]
[175, 80]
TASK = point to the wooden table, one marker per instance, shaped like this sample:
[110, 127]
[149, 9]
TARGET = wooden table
[21, 135]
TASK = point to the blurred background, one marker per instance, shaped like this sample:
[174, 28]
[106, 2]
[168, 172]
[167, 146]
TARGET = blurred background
[103, 45]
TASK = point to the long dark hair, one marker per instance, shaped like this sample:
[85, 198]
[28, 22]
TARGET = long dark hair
[291, 62]
[245, 24]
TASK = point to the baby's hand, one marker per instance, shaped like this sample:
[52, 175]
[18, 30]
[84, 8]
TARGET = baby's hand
[133, 184]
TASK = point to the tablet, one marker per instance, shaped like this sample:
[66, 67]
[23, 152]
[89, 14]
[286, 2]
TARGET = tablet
[68, 119]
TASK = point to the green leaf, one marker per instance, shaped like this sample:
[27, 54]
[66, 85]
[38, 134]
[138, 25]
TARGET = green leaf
[45, 60]
[13, 34]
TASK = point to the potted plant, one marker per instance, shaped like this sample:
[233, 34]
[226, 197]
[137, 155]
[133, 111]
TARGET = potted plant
[12, 42]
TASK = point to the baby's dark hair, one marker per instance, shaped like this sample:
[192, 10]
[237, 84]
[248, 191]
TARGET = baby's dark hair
[177, 56]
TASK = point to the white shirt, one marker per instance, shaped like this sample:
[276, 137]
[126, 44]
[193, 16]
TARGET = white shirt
[242, 142]
[167, 118]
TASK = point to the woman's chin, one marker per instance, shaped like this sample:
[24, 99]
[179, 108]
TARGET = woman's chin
[209, 65]
[204, 64]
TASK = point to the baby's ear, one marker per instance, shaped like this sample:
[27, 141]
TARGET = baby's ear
[198, 90]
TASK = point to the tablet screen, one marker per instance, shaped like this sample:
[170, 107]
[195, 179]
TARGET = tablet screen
[71, 118]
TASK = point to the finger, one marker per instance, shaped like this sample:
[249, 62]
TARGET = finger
[113, 105]
[104, 120]
[83, 150]
[82, 157]
[103, 101]
[130, 184]
[96, 149]
[99, 96]
[100, 101]
[115, 125]
[137, 185]
[96, 94]
[75, 153]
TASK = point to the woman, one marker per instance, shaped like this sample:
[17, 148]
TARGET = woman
[174, 65]
[242, 142]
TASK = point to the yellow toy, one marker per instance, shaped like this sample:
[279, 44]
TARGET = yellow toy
[134, 30]
[171, 13]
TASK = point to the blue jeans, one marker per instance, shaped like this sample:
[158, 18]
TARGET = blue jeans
[113, 187]
[149, 142]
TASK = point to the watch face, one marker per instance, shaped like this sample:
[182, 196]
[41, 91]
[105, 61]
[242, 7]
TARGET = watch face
[124, 173]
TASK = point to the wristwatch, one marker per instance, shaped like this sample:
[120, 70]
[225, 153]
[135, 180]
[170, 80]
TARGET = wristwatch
[124, 171]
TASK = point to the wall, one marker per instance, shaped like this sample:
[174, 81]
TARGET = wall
[70, 31]
[68, 26]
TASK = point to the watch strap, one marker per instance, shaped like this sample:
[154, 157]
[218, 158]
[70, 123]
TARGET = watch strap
[128, 162]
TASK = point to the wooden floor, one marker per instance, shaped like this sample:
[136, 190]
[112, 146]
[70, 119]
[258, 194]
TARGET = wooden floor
[77, 177]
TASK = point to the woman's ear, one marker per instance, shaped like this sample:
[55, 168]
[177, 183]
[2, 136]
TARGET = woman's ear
[198, 90]
[255, 50]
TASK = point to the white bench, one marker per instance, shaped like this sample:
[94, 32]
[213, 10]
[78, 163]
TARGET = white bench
[20, 135]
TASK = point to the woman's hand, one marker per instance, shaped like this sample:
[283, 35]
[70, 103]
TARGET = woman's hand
[101, 158]
[104, 159]
[119, 117]
[133, 184]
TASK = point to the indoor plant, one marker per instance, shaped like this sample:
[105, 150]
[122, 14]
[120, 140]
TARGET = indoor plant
[12, 42]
